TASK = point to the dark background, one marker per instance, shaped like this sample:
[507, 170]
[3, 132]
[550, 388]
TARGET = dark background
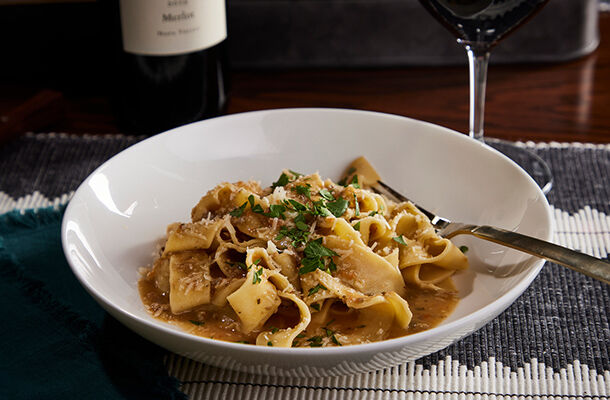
[71, 44]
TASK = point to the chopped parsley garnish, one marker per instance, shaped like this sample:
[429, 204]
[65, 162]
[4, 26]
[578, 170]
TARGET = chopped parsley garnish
[296, 174]
[239, 211]
[319, 208]
[242, 341]
[337, 207]
[269, 343]
[316, 306]
[331, 335]
[315, 341]
[375, 212]
[315, 249]
[302, 226]
[239, 265]
[464, 249]
[276, 211]
[400, 239]
[354, 182]
[300, 336]
[310, 265]
[256, 208]
[303, 190]
[356, 205]
[274, 329]
[357, 226]
[295, 205]
[198, 323]
[316, 288]
[343, 182]
[282, 181]
[315, 254]
[256, 278]
[298, 237]
[326, 194]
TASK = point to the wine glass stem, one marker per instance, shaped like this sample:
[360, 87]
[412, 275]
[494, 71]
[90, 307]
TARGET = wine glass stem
[478, 59]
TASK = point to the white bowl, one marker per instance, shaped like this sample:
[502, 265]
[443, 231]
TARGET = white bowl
[120, 211]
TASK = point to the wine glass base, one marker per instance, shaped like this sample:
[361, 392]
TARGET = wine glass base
[535, 166]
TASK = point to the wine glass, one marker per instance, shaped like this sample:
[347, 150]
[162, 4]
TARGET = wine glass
[478, 26]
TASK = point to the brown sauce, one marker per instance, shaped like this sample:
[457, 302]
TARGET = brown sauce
[429, 308]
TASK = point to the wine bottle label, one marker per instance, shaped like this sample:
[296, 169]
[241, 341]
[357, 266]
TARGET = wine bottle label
[170, 27]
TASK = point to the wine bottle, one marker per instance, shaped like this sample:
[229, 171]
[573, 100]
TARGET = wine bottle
[172, 65]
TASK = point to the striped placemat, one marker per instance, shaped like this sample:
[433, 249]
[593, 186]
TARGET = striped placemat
[553, 342]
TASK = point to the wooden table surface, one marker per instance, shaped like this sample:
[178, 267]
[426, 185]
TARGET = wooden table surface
[568, 101]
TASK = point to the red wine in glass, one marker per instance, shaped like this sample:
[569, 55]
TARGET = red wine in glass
[478, 25]
[482, 22]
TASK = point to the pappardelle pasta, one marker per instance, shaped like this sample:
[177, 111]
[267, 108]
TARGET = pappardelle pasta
[305, 262]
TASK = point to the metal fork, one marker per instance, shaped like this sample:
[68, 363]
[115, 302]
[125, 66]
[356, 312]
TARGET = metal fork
[583, 263]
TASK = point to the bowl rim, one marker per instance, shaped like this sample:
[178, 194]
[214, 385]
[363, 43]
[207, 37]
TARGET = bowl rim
[492, 309]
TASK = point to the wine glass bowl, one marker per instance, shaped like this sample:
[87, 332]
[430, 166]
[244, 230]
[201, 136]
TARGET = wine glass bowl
[479, 25]
[482, 23]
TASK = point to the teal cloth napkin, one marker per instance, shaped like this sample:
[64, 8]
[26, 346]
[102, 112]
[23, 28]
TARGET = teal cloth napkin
[55, 341]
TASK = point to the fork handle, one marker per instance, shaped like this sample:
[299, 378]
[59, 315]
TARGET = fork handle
[583, 263]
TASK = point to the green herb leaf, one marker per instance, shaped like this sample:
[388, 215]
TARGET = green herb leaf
[276, 211]
[256, 278]
[297, 236]
[239, 211]
[357, 226]
[333, 339]
[198, 323]
[464, 249]
[319, 208]
[316, 306]
[239, 265]
[274, 329]
[302, 226]
[282, 181]
[315, 341]
[354, 182]
[399, 239]
[337, 207]
[326, 195]
[316, 288]
[256, 208]
[296, 174]
[356, 205]
[310, 265]
[303, 190]
[315, 249]
[295, 205]
[269, 343]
